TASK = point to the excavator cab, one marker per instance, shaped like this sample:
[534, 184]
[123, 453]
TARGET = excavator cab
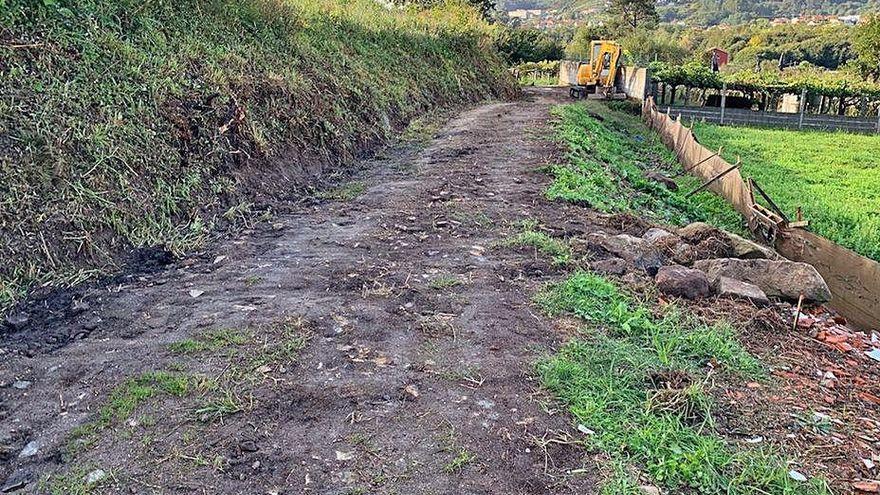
[595, 79]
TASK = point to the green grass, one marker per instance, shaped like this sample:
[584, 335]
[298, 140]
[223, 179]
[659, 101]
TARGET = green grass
[443, 282]
[346, 192]
[609, 152]
[833, 176]
[210, 341]
[461, 459]
[125, 399]
[529, 235]
[640, 382]
[126, 123]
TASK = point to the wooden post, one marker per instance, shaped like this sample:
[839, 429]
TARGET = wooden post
[803, 105]
[878, 119]
[723, 100]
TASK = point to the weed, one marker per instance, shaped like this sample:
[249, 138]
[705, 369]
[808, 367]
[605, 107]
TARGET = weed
[224, 404]
[73, 482]
[635, 385]
[123, 401]
[462, 459]
[346, 192]
[530, 236]
[606, 164]
[210, 341]
[444, 282]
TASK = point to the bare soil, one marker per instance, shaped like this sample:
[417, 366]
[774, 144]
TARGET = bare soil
[419, 337]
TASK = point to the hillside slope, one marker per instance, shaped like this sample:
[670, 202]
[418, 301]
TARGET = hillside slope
[140, 124]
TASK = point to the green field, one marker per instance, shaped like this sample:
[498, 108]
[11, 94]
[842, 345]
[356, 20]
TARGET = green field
[834, 177]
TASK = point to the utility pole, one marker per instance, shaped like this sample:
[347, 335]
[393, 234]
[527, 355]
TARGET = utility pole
[723, 100]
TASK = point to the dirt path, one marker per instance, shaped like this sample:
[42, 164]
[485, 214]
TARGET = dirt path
[417, 339]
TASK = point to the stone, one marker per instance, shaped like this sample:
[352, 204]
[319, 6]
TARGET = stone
[649, 490]
[412, 391]
[746, 249]
[633, 249]
[667, 182]
[30, 449]
[697, 231]
[16, 321]
[740, 246]
[680, 281]
[726, 286]
[684, 254]
[21, 384]
[655, 234]
[17, 481]
[786, 280]
[95, 476]
[610, 266]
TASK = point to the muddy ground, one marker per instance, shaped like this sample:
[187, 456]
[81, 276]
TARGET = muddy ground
[416, 331]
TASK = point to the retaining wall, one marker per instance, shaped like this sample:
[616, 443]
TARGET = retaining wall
[634, 81]
[568, 72]
[854, 280]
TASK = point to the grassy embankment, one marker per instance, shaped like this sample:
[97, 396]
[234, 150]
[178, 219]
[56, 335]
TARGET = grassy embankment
[641, 380]
[609, 152]
[139, 124]
[834, 177]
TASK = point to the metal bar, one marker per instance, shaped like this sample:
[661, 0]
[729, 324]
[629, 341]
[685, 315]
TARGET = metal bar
[773, 205]
[713, 179]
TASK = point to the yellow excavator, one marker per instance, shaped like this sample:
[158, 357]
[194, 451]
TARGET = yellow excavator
[595, 79]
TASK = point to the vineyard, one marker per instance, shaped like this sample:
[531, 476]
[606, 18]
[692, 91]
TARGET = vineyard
[839, 92]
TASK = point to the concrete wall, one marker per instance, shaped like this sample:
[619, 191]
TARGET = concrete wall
[568, 72]
[634, 81]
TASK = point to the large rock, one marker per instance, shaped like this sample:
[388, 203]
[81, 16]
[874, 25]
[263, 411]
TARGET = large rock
[746, 249]
[782, 279]
[700, 232]
[697, 231]
[684, 282]
[610, 266]
[633, 249]
[738, 289]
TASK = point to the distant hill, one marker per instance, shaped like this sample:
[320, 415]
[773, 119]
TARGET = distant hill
[711, 12]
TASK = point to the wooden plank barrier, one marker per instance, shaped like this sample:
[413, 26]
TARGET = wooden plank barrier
[854, 280]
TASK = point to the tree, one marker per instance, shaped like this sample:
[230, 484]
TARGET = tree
[579, 46]
[485, 7]
[867, 46]
[627, 15]
[518, 45]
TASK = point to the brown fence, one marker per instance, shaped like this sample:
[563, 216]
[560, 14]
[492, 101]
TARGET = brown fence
[854, 280]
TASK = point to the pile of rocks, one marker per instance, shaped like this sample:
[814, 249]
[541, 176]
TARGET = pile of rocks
[700, 260]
